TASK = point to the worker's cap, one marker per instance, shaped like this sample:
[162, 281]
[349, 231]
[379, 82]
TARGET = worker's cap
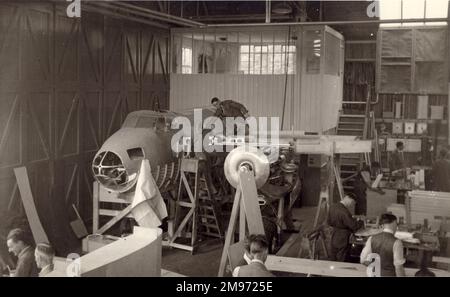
[387, 218]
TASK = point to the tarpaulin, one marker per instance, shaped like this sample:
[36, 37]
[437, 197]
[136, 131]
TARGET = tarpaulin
[148, 207]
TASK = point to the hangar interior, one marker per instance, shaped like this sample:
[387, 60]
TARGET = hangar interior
[104, 104]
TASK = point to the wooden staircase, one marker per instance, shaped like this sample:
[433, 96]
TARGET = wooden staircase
[354, 122]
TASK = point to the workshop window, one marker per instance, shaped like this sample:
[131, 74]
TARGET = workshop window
[240, 52]
[267, 59]
[186, 60]
[413, 9]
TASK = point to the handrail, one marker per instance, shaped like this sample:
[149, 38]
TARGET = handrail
[376, 101]
[354, 102]
[367, 113]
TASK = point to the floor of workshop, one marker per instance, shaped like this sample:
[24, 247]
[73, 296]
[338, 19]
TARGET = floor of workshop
[205, 262]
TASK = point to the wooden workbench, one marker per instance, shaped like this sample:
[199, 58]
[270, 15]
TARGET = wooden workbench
[329, 268]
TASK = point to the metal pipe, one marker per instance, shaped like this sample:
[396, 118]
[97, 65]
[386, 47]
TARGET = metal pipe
[331, 23]
[160, 14]
[88, 7]
[243, 17]
[130, 10]
[267, 11]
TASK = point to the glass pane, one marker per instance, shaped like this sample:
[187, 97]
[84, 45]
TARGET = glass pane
[395, 79]
[436, 9]
[186, 54]
[332, 54]
[291, 63]
[312, 45]
[390, 10]
[257, 64]
[413, 9]
[244, 59]
[277, 64]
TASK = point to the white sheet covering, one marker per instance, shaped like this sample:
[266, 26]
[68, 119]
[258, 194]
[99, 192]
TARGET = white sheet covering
[148, 205]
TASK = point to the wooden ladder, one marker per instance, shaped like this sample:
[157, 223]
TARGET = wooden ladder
[196, 212]
[208, 211]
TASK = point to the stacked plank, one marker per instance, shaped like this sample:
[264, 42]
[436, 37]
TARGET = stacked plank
[397, 210]
[428, 205]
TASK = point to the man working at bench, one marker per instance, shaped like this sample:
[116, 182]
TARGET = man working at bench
[343, 224]
[389, 248]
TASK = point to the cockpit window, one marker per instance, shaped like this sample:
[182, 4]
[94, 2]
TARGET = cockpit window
[135, 153]
[145, 122]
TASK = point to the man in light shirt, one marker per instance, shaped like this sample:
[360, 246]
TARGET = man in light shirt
[44, 255]
[389, 248]
[258, 248]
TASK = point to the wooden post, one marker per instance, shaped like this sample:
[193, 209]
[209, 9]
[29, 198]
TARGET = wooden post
[245, 203]
[408, 211]
[230, 232]
[95, 211]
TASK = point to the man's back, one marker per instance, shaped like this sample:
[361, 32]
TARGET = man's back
[383, 244]
[254, 269]
[441, 176]
[397, 161]
[26, 264]
[230, 108]
[340, 217]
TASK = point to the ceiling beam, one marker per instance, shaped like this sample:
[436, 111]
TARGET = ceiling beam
[205, 8]
[121, 15]
[243, 17]
[335, 23]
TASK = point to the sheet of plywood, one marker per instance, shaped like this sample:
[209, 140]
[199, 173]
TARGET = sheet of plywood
[428, 205]
[377, 203]
[437, 112]
[398, 110]
[23, 183]
[137, 255]
[348, 147]
[411, 145]
[329, 268]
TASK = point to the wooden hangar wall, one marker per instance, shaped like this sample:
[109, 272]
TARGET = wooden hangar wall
[66, 84]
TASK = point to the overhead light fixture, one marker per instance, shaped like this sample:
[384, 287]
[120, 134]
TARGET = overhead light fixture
[281, 8]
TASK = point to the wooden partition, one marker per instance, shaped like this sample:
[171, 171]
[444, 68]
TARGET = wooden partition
[301, 85]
